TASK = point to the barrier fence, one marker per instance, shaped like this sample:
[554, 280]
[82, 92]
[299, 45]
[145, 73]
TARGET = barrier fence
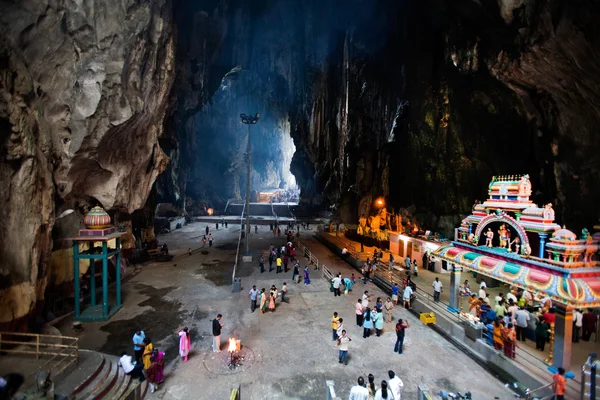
[62, 354]
[237, 253]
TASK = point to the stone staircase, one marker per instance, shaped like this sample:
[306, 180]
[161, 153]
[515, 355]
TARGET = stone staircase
[98, 376]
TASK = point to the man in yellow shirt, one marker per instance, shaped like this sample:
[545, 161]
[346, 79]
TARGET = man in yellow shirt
[334, 325]
[279, 263]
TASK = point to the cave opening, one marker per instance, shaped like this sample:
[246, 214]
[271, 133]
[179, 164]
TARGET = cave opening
[220, 160]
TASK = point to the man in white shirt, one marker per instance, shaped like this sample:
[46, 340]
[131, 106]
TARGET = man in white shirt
[130, 369]
[359, 392]
[437, 289]
[406, 296]
[395, 385]
[343, 343]
[482, 293]
[365, 299]
[578, 324]
[483, 285]
[528, 298]
[522, 319]
[510, 296]
[337, 281]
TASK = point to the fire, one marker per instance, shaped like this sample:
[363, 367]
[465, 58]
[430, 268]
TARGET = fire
[232, 345]
[210, 211]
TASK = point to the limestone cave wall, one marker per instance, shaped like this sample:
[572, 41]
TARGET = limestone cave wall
[84, 90]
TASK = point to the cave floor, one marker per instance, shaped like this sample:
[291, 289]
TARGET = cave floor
[289, 353]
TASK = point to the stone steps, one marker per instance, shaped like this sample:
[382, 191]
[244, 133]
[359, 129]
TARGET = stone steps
[98, 376]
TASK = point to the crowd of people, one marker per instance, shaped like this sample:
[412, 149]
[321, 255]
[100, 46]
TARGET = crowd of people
[387, 390]
[146, 363]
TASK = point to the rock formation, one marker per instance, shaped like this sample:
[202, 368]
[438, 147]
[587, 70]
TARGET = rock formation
[85, 87]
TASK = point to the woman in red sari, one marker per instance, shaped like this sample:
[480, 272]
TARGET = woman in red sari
[510, 342]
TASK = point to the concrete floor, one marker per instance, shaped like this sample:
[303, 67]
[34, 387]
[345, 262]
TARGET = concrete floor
[292, 352]
[580, 350]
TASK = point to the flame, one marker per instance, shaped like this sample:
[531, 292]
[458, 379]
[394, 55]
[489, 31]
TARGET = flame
[232, 345]
[210, 211]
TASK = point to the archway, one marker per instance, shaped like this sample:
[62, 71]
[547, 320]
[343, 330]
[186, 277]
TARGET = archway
[502, 217]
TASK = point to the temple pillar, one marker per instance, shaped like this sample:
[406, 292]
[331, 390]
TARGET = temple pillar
[118, 271]
[543, 237]
[470, 228]
[104, 279]
[454, 304]
[563, 334]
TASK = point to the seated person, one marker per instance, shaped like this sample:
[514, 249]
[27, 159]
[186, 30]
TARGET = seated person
[135, 370]
[164, 249]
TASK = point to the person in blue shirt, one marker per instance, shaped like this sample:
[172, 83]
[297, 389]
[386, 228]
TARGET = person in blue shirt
[138, 344]
[395, 293]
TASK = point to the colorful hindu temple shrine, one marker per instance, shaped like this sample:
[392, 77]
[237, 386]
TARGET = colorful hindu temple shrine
[513, 240]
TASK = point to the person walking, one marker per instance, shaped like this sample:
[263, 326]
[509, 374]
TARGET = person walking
[359, 391]
[296, 272]
[185, 343]
[286, 260]
[378, 321]
[271, 259]
[337, 282]
[340, 327]
[396, 385]
[207, 230]
[263, 301]
[388, 306]
[255, 228]
[522, 320]
[415, 268]
[342, 342]
[216, 331]
[371, 386]
[408, 292]
[367, 323]
[261, 264]
[400, 334]
[210, 239]
[437, 289]
[138, 344]
[577, 325]
[359, 313]
[253, 294]
[541, 333]
[204, 241]
[383, 393]
[272, 298]
[407, 263]
[284, 292]
[334, 325]
[395, 290]
[306, 276]
[278, 263]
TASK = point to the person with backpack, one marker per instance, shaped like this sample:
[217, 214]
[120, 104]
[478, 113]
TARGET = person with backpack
[400, 334]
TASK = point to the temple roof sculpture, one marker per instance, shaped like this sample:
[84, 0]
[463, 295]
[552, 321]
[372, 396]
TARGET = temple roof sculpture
[512, 239]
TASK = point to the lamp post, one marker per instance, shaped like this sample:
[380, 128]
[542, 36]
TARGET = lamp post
[248, 120]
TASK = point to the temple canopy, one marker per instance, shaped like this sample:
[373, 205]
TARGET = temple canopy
[511, 239]
[526, 274]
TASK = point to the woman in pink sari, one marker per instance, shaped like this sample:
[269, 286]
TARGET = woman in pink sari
[185, 343]
[160, 372]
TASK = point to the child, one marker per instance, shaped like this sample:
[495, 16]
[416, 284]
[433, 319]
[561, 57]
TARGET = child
[184, 343]
[334, 325]
[284, 292]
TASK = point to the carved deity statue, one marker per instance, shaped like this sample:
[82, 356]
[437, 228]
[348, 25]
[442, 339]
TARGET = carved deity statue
[584, 234]
[548, 213]
[525, 186]
[503, 235]
[517, 243]
[489, 235]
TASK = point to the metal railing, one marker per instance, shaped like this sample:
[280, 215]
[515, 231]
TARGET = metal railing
[62, 355]
[590, 386]
[237, 253]
[305, 251]
[530, 393]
